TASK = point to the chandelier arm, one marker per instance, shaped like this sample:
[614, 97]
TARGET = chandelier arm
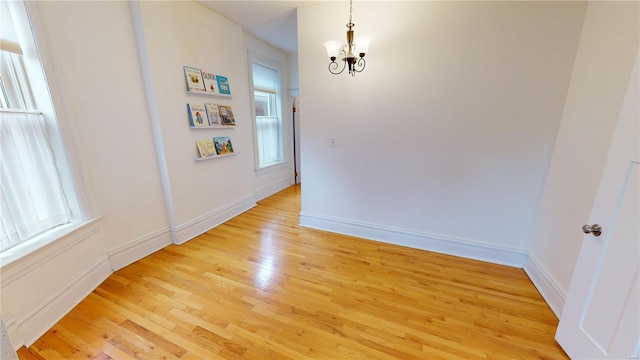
[360, 65]
[333, 66]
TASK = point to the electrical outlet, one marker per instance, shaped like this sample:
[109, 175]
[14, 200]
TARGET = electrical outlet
[332, 142]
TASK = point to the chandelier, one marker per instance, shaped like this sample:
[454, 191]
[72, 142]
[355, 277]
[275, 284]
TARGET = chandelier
[352, 52]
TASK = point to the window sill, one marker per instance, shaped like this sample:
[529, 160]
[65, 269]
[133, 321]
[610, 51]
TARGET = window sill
[271, 168]
[21, 258]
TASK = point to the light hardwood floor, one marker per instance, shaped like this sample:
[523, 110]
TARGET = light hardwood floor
[261, 287]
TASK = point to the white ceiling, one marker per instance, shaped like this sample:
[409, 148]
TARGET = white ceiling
[272, 21]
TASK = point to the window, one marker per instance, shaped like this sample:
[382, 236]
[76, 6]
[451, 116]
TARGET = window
[31, 196]
[268, 112]
[268, 128]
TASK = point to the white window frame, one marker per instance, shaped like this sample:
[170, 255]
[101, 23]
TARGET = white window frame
[284, 157]
[49, 97]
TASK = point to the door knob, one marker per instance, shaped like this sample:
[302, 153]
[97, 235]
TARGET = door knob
[595, 229]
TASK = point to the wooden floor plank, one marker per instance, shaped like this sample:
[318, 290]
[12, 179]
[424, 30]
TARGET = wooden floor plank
[261, 287]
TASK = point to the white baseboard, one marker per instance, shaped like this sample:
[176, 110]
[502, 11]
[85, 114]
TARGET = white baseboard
[25, 329]
[546, 284]
[266, 191]
[139, 248]
[150, 243]
[187, 231]
[424, 241]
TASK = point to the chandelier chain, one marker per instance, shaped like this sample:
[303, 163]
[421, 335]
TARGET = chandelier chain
[350, 11]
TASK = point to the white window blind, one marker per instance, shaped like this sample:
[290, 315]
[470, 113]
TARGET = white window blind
[30, 192]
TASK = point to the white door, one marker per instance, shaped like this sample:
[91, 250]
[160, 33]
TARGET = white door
[601, 316]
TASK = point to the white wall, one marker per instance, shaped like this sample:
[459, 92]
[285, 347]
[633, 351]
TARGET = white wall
[127, 108]
[294, 72]
[608, 46]
[201, 194]
[443, 142]
[96, 56]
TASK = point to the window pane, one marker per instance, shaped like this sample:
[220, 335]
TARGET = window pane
[4, 98]
[261, 103]
[15, 85]
[268, 140]
[273, 108]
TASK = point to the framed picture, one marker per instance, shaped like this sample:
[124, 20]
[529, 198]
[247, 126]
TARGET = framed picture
[210, 83]
[197, 115]
[213, 114]
[223, 85]
[206, 148]
[195, 82]
[226, 115]
[223, 145]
